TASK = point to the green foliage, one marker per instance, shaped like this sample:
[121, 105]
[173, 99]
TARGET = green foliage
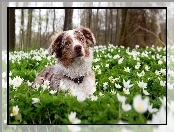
[54, 109]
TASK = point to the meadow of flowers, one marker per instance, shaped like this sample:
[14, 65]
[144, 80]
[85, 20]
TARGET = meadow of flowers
[131, 89]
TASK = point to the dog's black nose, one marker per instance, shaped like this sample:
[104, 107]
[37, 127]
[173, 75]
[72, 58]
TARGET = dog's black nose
[78, 48]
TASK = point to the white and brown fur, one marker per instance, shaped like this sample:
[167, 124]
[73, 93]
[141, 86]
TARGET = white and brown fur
[74, 61]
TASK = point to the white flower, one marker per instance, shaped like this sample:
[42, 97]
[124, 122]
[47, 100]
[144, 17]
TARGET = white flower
[74, 128]
[3, 74]
[46, 83]
[163, 101]
[4, 84]
[142, 85]
[147, 68]
[10, 74]
[111, 79]
[160, 62]
[116, 56]
[105, 84]
[126, 107]
[99, 71]
[44, 87]
[122, 122]
[157, 72]
[72, 118]
[126, 91]
[145, 92]
[137, 66]
[17, 81]
[117, 85]
[101, 94]
[163, 71]
[107, 65]
[171, 106]
[113, 92]
[170, 86]
[170, 72]
[127, 84]
[35, 100]
[62, 86]
[163, 83]
[53, 91]
[120, 60]
[15, 111]
[38, 58]
[137, 46]
[81, 97]
[72, 92]
[126, 69]
[159, 117]
[121, 99]
[141, 74]
[165, 128]
[152, 110]
[36, 86]
[140, 105]
[29, 83]
[94, 98]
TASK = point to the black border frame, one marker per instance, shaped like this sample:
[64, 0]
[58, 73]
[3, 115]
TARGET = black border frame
[8, 8]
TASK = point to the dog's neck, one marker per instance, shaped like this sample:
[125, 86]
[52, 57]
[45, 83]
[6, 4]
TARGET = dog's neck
[79, 68]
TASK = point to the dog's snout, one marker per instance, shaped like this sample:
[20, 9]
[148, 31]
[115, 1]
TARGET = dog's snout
[78, 48]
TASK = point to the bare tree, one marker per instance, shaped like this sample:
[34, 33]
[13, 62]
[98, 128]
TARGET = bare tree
[68, 16]
[118, 21]
[106, 23]
[12, 39]
[89, 22]
[29, 28]
[22, 36]
[111, 26]
[39, 27]
[47, 20]
[139, 27]
[54, 18]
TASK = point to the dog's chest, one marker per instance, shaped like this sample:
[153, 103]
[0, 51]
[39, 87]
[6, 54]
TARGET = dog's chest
[86, 86]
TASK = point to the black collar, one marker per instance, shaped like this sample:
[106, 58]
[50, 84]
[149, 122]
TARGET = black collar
[76, 80]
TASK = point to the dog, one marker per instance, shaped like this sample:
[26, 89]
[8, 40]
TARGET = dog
[73, 70]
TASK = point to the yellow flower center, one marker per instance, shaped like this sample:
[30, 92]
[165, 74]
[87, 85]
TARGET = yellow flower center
[15, 112]
[140, 107]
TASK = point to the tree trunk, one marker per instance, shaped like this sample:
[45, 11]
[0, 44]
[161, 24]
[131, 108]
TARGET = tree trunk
[89, 24]
[111, 25]
[47, 20]
[123, 26]
[97, 23]
[54, 18]
[40, 25]
[68, 25]
[29, 27]
[106, 23]
[22, 30]
[12, 39]
[118, 18]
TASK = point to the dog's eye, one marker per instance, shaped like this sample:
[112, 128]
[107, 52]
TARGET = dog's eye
[81, 39]
[67, 43]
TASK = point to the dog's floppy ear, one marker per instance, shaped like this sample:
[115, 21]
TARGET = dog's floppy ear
[55, 46]
[88, 35]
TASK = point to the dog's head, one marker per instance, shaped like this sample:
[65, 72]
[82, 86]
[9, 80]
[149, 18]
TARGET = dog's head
[72, 44]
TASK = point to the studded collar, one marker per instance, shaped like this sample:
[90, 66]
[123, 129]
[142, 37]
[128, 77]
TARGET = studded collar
[77, 80]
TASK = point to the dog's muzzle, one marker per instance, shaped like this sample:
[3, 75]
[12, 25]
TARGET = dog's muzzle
[78, 51]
